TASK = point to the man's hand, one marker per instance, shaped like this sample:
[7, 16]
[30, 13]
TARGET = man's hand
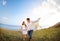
[38, 18]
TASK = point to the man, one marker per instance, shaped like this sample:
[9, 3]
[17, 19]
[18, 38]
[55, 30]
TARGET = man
[30, 27]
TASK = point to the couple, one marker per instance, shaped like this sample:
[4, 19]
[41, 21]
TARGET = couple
[28, 29]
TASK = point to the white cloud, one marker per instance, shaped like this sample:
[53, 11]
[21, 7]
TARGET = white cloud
[4, 20]
[4, 2]
[57, 2]
[49, 12]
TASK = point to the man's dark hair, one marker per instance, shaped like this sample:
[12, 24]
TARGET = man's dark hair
[28, 18]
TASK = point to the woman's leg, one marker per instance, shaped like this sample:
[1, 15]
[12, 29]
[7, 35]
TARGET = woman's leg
[24, 36]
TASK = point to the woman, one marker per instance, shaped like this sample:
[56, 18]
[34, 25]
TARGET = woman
[24, 30]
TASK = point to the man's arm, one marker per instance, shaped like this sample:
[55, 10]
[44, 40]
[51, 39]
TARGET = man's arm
[36, 20]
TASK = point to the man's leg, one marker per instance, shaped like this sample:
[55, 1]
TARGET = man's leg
[30, 34]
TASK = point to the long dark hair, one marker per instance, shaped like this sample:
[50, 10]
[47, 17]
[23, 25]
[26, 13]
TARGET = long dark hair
[23, 23]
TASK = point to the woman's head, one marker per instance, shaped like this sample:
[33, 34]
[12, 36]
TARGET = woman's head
[23, 23]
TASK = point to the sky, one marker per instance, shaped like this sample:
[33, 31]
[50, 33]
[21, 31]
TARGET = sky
[13, 12]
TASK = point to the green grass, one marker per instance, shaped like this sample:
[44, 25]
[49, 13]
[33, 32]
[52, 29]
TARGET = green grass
[50, 34]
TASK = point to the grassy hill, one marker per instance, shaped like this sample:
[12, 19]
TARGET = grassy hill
[49, 34]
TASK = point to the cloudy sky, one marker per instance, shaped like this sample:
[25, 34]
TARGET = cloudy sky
[13, 12]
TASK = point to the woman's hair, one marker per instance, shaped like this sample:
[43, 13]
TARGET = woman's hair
[23, 23]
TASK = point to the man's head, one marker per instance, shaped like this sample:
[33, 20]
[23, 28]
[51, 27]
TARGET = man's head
[28, 20]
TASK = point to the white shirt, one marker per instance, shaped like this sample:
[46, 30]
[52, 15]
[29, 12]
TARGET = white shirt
[30, 25]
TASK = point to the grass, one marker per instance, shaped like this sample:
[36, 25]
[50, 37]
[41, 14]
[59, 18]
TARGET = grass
[50, 34]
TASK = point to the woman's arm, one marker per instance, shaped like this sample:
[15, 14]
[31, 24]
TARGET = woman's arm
[21, 28]
[26, 27]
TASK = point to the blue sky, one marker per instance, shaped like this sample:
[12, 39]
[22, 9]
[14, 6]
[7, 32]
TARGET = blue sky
[13, 12]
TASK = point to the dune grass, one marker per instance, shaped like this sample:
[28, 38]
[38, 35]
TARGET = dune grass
[50, 34]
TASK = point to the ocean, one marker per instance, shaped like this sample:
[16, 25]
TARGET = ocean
[10, 27]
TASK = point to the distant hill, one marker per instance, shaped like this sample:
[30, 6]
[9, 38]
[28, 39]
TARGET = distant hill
[49, 34]
[57, 25]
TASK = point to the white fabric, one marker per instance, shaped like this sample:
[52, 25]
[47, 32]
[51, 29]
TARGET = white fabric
[24, 31]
